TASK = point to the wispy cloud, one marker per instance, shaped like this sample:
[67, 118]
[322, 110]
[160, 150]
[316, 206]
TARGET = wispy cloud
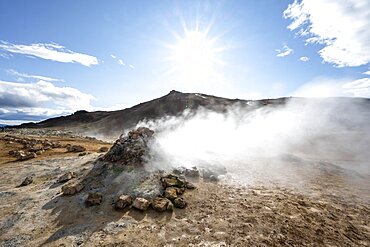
[113, 56]
[344, 30]
[132, 66]
[20, 76]
[366, 72]
[120, 61]
[52, 52]
[285, 51]
[304, 59]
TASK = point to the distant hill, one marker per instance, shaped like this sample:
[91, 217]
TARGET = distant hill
[172, 104]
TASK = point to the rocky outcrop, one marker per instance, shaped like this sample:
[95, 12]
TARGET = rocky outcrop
[103, 149]
[131, 149]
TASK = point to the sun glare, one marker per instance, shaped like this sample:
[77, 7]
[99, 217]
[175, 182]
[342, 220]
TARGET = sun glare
[194, 58]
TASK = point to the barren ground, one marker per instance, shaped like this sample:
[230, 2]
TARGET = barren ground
[216, 215]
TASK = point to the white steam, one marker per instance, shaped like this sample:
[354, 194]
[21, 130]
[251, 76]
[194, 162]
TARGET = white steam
[272, 143]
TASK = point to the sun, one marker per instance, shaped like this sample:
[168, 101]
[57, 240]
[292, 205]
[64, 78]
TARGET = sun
[194, 58]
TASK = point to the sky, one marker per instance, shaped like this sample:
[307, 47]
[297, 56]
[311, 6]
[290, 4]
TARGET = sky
[61, 56]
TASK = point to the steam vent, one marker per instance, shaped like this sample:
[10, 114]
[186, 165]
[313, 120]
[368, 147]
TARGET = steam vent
[120, 177]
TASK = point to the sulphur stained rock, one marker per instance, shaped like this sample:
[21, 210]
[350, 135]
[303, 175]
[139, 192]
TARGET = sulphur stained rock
[160, 204]
[66, 177]
[71, 189]
[179, 202]
[172, 181]
[171, 193]
[94, 198]
[123, 201]
[141, 204]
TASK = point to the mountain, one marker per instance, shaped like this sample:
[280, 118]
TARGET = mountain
[113, 122]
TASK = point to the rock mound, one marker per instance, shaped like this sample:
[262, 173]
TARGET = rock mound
[131, 149]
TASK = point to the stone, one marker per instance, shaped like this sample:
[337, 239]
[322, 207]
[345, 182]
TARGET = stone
[141, 204]
[172, 181]
[39, 152]
[82, 154]
[190, 186]
[71, 189]
[76, 148]
[193, 172]
[160, 204]
[179, 203]
[12, 152]
[103, 149]
[171, 193]
[66, 177]
[123, 201]
[94, 198]
[170, 206]
[28, 180]
[20, 155]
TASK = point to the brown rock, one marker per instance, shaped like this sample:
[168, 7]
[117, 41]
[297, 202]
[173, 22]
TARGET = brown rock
[179, 203]
[193, 172]
[71, 189]
[76, 148]
[160, 204]
[123, 201]
[94, 198]
[66, 177]
[171, 193]
[190, 186]
[141, 204]
[170, 206]
[172, 181]
[103, 149]
[27, 181]
[20, 155]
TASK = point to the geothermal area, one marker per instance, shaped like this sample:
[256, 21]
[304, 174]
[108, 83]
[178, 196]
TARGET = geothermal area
[271, 175]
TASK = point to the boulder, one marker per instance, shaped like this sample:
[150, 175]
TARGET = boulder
[170, 206]
[28, 180]
[172, 181]
[71, 189]
[123, 201]
[171, 193]
[67, 176]
[141, 204]
[82, 154]
[76, 148]
[160, 204]
[179, 203]
[94, 198]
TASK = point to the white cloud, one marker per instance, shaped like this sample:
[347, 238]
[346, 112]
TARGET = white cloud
[37, 77]
[284, 52]
[343, 27]
[304, 59]
[132, 66]
[366, 73]
[41, 99]
[50, 52]
[120, 61]
[113, 56]
[335, 88]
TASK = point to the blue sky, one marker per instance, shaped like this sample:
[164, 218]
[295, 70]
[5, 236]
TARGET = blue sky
[61, 56]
